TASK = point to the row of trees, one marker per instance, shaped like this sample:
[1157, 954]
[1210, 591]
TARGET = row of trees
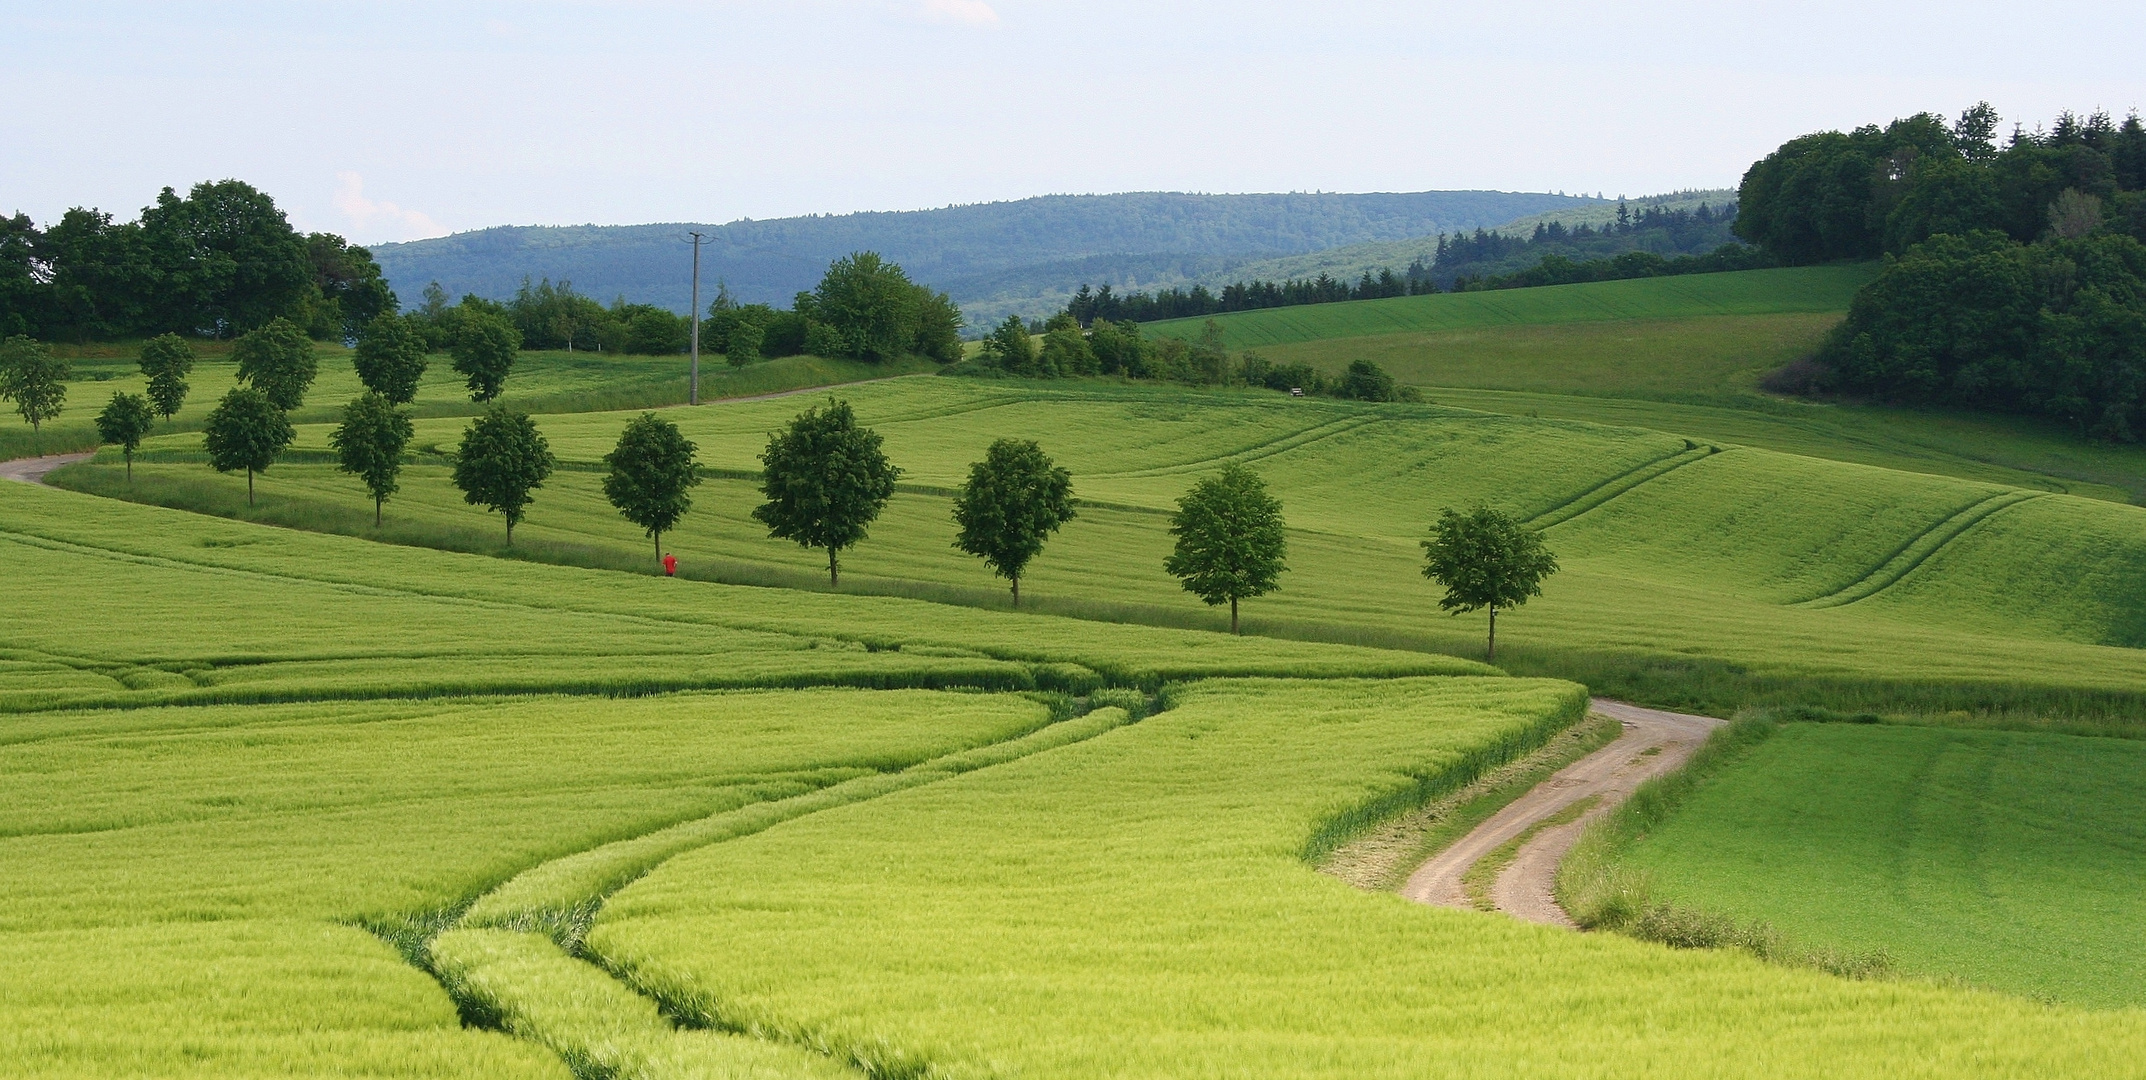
[1088, 305]
[218, 262]
[1066, 350]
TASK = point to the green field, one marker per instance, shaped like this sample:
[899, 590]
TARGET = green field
[1771, 575]
[1816, 289]
[2011, 859]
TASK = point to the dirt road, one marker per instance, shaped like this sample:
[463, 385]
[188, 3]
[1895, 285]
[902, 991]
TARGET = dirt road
[32, 470]
[1653, 743]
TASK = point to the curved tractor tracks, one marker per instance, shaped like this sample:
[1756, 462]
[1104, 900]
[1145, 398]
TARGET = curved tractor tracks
[1653, 743]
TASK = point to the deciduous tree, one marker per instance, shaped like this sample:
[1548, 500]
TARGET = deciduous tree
[502, 459]
[1230, 544]
[1012, 502]
[245, 431]
[34, 379]
[484, 346]
[369, 443]
[167, 360]
[1486, 560]
[125, 419]
[390, 358]
[826, 480]
[652, 476]
[279, 361]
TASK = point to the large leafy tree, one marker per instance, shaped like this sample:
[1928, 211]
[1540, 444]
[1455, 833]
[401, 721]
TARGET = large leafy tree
[484, 345]
[502, 460]
[279, 361]
[350, 291]
[34, 379]
[825, 480]
[125, 419]
[1230, 544]
[369, 443]
[245, 431]
[871, 306]
[390, 358]
[1486, 560]
[262, 270]
[1013, 500]
[167, 360]
[652, 475]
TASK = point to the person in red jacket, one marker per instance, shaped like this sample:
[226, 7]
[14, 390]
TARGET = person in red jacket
[670, 565]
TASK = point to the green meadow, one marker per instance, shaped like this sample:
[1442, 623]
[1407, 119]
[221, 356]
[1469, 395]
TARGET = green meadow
[290, 794]
[1766, 577]
[2010, 859]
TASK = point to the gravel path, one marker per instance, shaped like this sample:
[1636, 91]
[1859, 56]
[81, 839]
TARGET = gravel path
[1653, 743]
[32, 470]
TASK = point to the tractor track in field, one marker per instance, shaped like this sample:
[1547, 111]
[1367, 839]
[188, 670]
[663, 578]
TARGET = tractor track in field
[1919, 548]
[1654, 743]
[32, 470]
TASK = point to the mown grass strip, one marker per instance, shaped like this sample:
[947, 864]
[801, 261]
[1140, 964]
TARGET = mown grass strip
[1482, 877]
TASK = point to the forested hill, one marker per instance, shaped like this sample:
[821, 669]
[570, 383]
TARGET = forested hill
[991, 257]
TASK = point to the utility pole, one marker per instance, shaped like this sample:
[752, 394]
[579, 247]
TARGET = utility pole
[693, 392]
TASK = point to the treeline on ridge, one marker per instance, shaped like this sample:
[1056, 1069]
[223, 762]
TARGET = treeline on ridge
[1066, 350]
[2014, 277]
[1655, 242]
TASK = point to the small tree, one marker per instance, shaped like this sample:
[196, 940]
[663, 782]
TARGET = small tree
[1230, 544]
[501, 460]
[278, 360]
[1366, 381]
[125, 419]
[35, 380]
[167, 360]
[1010, 348]
[1486, 560]
[825, 481]
[390, 358]
[483, 349]
[245, 431]
[652, 474]
[1013, 501]
[744, 344]
[369, 443]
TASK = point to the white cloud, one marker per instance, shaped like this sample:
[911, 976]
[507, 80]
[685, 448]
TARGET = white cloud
[372, 222]
[971, 12]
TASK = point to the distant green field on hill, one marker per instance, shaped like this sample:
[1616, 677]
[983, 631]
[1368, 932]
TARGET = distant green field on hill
[1748, 292]
[2009, 858]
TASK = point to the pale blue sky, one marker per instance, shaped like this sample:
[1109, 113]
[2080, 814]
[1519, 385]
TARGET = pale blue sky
[388, 121]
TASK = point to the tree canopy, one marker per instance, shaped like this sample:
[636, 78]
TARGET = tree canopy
[484, 345]
[652, 474]
[34, 379]
[167, 360]
[390, 358]
[1230, 543]
[1013, 500]
[279, 361]
[502, 460]
[123, 423]
[245, 431]
[1485, 560]
[825, 480]
[368, 444]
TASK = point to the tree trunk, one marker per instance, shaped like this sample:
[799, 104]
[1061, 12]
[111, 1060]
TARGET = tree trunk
[657, 536]
[377, 500]
[1490, 656]
[510, 532]
[1232, 614]
[1017, 590]
[130, 466]
[249, 487]
[834, 572]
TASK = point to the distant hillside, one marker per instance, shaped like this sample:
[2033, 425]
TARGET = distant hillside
[1350, 262]
[1024, 256]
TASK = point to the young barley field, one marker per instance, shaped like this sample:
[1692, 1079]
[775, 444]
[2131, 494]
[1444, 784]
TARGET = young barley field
[2009, 859]
[1762, 576]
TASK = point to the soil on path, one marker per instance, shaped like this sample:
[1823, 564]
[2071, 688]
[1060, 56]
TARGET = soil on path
[32, 470]
[1653, 743]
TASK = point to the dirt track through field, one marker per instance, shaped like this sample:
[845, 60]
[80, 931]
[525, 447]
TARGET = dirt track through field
[1653, 743]
[32, 470]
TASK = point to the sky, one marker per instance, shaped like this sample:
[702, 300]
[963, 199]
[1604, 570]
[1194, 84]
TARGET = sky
[395, 121]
